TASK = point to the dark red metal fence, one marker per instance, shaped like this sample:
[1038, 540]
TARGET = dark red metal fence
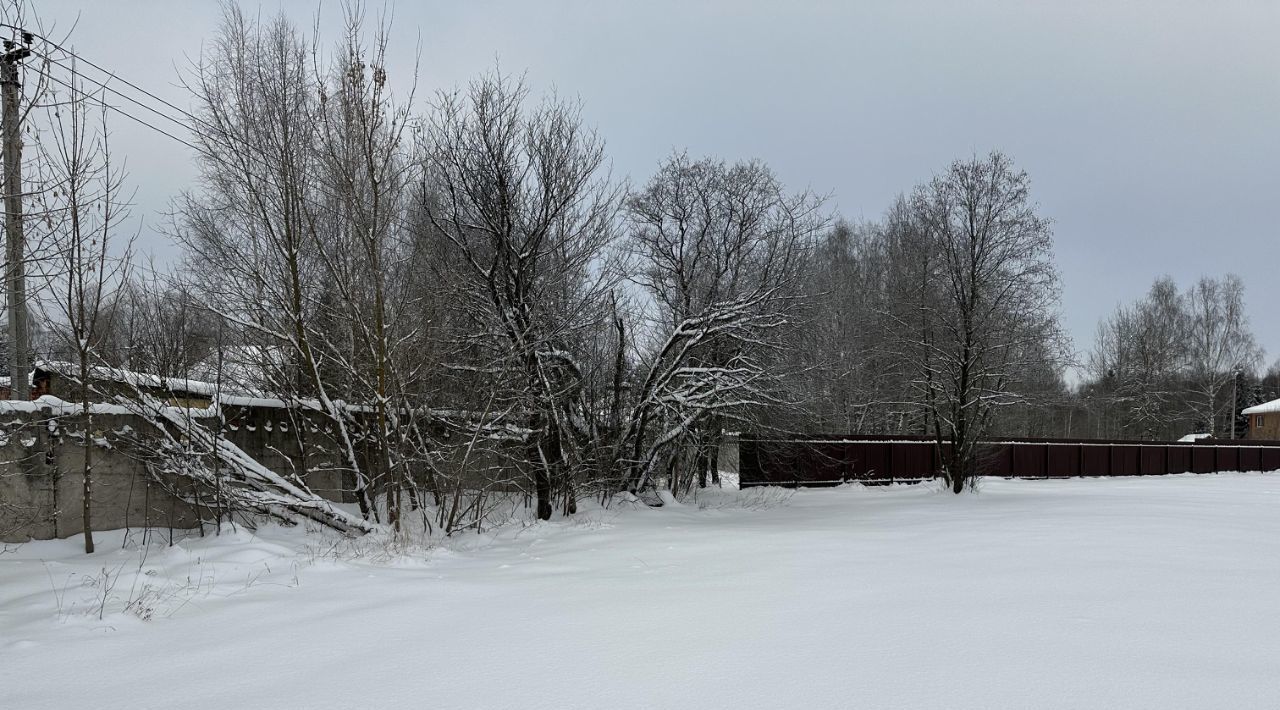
[831, 461]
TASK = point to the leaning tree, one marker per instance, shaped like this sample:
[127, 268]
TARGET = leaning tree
[719, 250]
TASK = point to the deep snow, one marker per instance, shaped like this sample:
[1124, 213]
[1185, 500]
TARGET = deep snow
[1160, 592]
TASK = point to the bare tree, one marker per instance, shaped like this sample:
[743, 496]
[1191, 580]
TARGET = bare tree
[254, 231]
[523, 200]
[160, 327]
[850, 379]
[720, 250]
[1139, 358]
[989, 308]
[1220, 345]
[90, 261]
[367, 167]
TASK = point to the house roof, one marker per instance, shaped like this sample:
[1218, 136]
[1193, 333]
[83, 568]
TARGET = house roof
[1272, 407]
[175, 385]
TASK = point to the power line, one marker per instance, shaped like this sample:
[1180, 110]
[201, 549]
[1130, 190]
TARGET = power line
[86, 95]
[107, 87]
[215, 133]
[109, 73]
[219, 137]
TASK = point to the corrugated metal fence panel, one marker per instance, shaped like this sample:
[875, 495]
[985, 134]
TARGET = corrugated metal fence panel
[831, 461]
[1095, 461]
[1028, 460]
[1064, 463]
[870, 460]
[1202, 460]
[1270, 460]
[1153, 460]
[749, 462]
[997, 458]
[912, 460]
[1179, 459]
[1250, 459]
[1227, 458]
[1125, 459]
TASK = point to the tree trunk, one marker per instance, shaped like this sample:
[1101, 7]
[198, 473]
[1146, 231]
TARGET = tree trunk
[542, 486]
[87, 470]
[546, 459]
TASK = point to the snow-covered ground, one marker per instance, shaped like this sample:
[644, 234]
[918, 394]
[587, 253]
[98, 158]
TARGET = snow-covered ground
[1159, 592]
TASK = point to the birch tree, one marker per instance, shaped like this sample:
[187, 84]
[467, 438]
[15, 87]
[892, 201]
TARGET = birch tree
[1220, 345]
[1139, 359]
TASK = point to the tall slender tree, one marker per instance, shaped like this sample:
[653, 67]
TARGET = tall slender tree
[91, 260]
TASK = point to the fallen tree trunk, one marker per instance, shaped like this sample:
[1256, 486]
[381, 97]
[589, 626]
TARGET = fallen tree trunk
[241, 481]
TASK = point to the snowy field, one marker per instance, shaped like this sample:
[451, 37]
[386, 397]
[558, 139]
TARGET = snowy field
[1134, 593]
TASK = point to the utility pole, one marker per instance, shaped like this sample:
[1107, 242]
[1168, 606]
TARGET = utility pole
[15, 240]
[1235, 399]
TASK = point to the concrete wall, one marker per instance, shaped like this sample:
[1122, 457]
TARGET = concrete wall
[42, 482]
[301, 447]
[42, 460]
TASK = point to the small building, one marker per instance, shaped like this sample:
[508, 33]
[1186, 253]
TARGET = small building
[59, 379]
[1264, 420]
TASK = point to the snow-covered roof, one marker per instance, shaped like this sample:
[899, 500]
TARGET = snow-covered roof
[1272, 407]
[59, 406]
[1195, 437]
[225, 395]
[247, 368]
[134, 379]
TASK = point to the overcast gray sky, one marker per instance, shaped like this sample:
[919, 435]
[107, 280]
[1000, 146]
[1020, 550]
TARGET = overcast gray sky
[1151, 130]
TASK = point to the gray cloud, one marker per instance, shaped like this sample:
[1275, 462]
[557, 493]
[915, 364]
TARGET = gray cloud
[1149, 129]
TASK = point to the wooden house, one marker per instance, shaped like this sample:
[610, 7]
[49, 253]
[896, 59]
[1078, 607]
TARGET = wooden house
[1264, 421]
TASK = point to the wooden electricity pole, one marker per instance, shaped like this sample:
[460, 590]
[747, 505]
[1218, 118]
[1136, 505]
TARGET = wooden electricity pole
[15, 240]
